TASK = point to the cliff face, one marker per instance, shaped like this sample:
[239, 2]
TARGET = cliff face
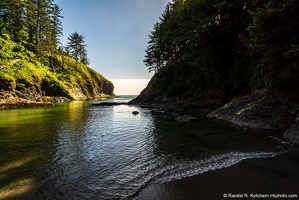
[98, 90]
[147, 95]
[50, 87]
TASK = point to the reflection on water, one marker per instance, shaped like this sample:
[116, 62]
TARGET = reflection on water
[17, 188]
[76, 151]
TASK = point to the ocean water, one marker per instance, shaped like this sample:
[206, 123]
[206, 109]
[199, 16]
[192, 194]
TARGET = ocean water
[77, 151]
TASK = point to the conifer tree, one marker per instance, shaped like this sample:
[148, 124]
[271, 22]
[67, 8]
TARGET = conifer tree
[56, 25]
[77, 48]
[42, 20]
[12, 20]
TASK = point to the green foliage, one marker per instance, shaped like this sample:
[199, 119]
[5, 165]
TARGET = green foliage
[35, 24]
[293, 51]
[240, 74]
[77, 48]
[204, 46]
[196, 43]
[295, 110]
[6, 50]
[263, 76]
[29, 54]
[55, 74]
[273, 41]
[53, 87]
[162, 80]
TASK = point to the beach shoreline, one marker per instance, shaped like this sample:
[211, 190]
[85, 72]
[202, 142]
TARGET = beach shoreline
[259, 178]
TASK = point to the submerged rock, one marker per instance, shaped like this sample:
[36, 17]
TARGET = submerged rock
[135, 112]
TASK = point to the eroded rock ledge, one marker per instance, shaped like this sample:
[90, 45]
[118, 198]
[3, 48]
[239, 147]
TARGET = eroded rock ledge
[292, 134]
[259, 110]
[33, 99]
[263, 112]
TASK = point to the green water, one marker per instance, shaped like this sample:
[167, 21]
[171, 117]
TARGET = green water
[76, 151]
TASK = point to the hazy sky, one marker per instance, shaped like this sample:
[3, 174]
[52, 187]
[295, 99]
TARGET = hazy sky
[116, 33]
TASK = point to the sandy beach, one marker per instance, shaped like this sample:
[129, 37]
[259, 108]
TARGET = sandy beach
[271, 178]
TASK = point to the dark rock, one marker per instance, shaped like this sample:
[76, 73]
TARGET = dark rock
[292, 134]
[147, 95]
[108, 104]
[135, 112]
[158, 112]
[257, 111]
[32, 93]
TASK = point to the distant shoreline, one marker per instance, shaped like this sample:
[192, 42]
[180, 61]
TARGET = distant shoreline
[22, 104]
[17, 103]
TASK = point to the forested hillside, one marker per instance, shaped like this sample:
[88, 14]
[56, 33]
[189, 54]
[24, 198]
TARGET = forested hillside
[34, 65]
[225, 46]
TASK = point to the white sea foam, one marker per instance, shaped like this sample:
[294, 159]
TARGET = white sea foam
[191, 168]
[157, 171]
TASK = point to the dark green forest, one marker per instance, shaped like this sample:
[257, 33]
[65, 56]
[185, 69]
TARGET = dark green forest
[33, 60]
[231, 46]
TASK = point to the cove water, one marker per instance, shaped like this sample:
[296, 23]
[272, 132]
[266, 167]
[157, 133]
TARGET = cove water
[77, 151]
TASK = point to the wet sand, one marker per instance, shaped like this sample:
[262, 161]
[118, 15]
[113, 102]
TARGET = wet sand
[277, 175]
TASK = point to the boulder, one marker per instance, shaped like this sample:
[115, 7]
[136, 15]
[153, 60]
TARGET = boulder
[135, 112]
[257, 111]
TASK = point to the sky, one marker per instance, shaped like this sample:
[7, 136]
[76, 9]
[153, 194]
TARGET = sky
[116, 34]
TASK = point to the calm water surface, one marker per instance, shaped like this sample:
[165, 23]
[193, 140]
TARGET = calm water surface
[76, 151]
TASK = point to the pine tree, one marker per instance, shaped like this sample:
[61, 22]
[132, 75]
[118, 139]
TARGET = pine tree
[12, 19]
[43, 22]
[153, 58]
[273, 39]
[77, 48]
[30, 24]
[56, 25]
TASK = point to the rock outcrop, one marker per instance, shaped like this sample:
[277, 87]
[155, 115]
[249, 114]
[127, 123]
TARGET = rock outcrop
[147, 95]
[92, 91]
[292, 134]
[56, 77]
[135, 112]
[257, 111]
[50, 89]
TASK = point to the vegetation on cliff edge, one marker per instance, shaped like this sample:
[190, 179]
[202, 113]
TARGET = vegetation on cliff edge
[34, 64]
[55, 75]
[204, 46]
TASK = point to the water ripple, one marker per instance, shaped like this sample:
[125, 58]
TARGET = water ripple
[108, 153]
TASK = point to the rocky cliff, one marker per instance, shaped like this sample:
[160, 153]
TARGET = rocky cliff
[44, 85]
[25, 80]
